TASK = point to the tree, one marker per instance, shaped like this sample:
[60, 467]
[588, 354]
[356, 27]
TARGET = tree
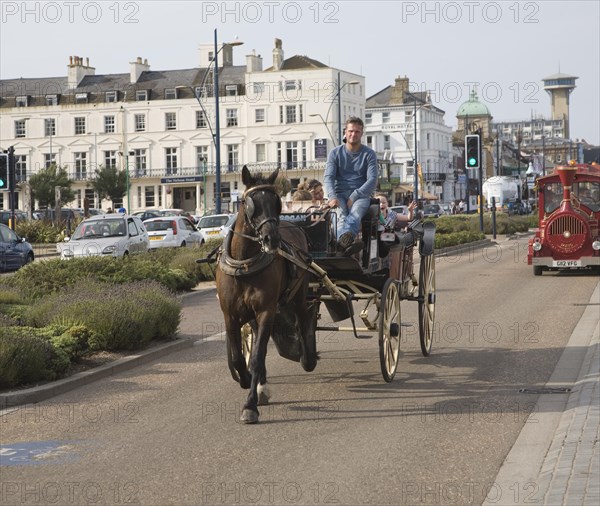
[110, 183]
[43, 186]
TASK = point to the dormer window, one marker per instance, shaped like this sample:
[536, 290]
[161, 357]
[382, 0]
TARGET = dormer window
[81, 98]
[231, 90]
[51, 99]
[170, 94]
[112, 96]
[141, 95]
[22, 101]
[201, 92]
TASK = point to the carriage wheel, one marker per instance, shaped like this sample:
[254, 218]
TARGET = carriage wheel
[247, 342]
[389, 329]
[426, 302]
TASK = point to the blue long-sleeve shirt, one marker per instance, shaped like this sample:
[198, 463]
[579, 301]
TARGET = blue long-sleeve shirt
[353, 175]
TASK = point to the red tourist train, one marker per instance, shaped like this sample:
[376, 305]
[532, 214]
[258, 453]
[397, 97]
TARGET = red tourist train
[569, 210]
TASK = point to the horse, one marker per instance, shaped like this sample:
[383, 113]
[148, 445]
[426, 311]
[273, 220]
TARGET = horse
[254, 282]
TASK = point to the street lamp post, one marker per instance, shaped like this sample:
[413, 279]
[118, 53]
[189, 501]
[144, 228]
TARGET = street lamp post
[326, 126]
[127, 155]
[338, 97]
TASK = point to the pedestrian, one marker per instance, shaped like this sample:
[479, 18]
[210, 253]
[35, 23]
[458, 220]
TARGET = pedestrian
[350, 180]
[461, 206]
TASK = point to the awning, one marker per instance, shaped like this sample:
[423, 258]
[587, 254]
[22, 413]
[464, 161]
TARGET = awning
[404, 188]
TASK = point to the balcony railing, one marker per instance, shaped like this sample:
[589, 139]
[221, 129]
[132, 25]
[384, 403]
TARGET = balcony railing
[434, 176]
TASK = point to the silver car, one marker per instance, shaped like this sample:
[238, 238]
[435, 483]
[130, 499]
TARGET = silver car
[114, 235]
[172, 232]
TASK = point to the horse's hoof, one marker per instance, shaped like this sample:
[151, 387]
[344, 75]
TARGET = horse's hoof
[245, 381]
[264, 394]
[249, 416]
[309, 365]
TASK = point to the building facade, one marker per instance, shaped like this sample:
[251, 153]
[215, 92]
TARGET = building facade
[160, 126]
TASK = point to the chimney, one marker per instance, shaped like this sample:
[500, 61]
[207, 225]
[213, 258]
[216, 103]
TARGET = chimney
[253, 62]
[136, 68]
[76, 71]
[278, 55]
[398, 90]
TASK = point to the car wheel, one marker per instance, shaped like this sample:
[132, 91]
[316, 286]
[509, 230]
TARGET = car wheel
[29, 258]
[183, 244]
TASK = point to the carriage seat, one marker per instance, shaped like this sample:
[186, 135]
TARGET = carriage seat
[373, 213]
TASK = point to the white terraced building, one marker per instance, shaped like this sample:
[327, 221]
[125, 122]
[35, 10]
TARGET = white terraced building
[150, 124]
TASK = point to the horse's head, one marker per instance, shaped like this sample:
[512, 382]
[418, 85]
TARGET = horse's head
[261, 207]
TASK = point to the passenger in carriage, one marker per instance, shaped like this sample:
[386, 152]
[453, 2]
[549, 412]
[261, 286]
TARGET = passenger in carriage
[390, 219]
[350, 180]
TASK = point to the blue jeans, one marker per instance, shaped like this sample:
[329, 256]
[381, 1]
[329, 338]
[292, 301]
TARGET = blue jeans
[350, 221]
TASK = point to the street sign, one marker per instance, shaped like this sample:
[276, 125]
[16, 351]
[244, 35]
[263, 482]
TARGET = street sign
[321, 149]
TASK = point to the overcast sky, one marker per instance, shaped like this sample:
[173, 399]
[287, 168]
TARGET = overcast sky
[507, 47]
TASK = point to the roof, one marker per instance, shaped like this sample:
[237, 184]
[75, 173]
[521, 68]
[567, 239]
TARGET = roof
[559, 75]
[299, 62]
[472, 107]
[383, 98]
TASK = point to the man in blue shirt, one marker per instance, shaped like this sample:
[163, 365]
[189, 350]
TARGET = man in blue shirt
[350, 180]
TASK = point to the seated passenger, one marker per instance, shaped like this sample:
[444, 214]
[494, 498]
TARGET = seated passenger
[391, 220]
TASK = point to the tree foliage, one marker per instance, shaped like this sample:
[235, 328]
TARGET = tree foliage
[43, 186]
[110, 183]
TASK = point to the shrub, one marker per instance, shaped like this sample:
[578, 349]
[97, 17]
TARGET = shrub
[118, 316]
[40, 231]
[26, 357]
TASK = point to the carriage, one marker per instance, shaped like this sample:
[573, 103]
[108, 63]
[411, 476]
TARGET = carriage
[379, 277]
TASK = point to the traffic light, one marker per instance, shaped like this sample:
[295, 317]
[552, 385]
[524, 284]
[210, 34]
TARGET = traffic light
[472, 152]
[4, 184]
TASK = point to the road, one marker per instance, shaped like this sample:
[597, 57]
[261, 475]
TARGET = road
[169, 432]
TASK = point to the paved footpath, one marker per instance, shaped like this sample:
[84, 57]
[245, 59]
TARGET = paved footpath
[556, 458]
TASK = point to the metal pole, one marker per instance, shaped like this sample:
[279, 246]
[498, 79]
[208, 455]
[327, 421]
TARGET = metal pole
[339, 91]
[416, 160]
[204, 183]
[543, 154]
[127, 180]
[217, 132]
[11, 184]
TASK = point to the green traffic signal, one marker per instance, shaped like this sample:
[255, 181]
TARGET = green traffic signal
[472, 151]
[472, 162]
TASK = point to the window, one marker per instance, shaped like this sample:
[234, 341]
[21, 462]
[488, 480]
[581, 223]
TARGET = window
[232, 157]
[261, 153]
[231, 90]
[170, 94]
[408, 116]
[385, 117]
[149, 194]
[141, 95]
[259, 115]
[290, 85]
[232, 119]
[140, 122]
[111, 96]
[291, 154]
[20, 128]
[171, 159]
[200, 119]
[109, 124]
[80, 165]
[79, 126]
[428, 141]
[258, 88]
[81, 98]
[170, 121]
[20, 168]
[201, 157]
[201, 92]
[49, 159]
[368, 118]
[386, 142]
[51, 99]
[139, 160]
[22, 101]
[49, 127]
[110, 159]
[291, 114]
[370, 141]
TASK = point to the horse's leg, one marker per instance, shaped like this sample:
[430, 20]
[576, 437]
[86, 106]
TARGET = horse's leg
[305, 324]
[257, 366]
[234, 336]
[264, 392]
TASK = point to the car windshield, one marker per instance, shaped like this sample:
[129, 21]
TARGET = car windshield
[161, 225]
[95, 229]
[212, 221]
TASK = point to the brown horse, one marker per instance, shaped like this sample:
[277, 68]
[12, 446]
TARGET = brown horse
[254, 283]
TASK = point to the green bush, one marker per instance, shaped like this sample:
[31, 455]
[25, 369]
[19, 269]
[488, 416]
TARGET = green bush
[26, 357]
[455, 238]
[117, 316]
[40, 231]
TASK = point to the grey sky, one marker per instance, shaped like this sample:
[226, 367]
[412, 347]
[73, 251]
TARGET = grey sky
[507, 46]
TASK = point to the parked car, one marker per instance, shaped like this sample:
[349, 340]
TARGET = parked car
[66, 214]
[15, 251]
[432, 211]
[211, 227]
[177, 212]
[229, 225]
[114, 235]
[172, 232]
[402, 210]
[148, 214]
[6, 215]
[446, 209]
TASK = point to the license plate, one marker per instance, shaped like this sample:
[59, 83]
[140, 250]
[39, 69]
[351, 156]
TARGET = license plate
[155, 238]
[213, 232]
[566, 263]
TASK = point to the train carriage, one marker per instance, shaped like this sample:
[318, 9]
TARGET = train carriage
[569, 210]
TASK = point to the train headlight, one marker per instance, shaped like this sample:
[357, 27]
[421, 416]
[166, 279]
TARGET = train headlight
[566, 234]
[537, 245]
[596, 245]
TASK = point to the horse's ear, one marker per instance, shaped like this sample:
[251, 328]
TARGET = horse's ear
[247, 177]
[273, 177]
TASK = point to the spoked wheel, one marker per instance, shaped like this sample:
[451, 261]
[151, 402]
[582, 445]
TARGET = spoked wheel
[389, 330]
[247, 342]
[426, 302]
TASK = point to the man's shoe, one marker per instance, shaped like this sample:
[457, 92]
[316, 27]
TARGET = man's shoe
[345, 241]
[355, 247]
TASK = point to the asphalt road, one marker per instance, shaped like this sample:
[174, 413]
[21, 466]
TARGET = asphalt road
[169, 432]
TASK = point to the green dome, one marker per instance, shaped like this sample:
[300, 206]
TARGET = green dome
[472, 107]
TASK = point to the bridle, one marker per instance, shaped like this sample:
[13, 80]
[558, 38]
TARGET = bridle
[249, 209]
